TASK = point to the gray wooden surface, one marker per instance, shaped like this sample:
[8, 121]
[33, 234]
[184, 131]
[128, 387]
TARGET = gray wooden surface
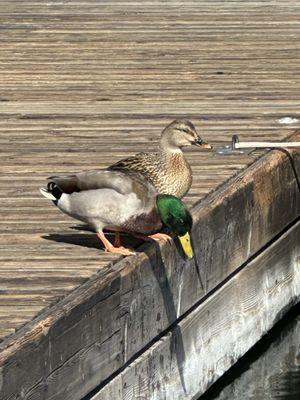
[83, 84]
[279, 363]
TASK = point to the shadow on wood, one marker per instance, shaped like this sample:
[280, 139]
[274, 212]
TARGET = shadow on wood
[176, 342]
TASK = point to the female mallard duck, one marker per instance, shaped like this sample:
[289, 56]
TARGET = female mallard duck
[167, 169]
[120, 201]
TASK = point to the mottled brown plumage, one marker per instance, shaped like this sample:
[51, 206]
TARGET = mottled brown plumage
[167, 168]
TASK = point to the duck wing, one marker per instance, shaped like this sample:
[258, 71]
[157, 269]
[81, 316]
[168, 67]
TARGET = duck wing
[123, 182]
[142, 162]
[95, 179]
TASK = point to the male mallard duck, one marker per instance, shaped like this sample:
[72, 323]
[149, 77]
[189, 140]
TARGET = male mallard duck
[167, 169]
[120, 201]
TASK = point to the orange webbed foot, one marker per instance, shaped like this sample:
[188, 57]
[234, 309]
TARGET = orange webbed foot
[112, 249]
[160, 236]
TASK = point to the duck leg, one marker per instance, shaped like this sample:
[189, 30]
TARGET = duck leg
[117, 242]
[112, 249]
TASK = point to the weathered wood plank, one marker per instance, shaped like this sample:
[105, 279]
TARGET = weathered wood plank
[280, 357]
[189, 358]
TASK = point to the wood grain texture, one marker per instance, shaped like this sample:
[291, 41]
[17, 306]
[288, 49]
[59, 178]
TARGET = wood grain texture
[276, 361]
[189, 359]
[82, 84]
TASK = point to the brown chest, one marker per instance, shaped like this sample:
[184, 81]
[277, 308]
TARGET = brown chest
[175, 176]
[144, 223]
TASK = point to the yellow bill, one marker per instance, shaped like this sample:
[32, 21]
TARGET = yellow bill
[185, 241]
[203, 145]
[206, 146]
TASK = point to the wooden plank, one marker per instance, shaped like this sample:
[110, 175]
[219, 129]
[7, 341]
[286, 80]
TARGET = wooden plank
[122, 308]
[276, 359]
[186, 361]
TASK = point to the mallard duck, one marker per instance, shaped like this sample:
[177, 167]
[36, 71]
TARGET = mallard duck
[120, 201]
[167, 169]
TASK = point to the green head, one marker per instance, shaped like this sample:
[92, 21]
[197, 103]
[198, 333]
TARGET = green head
[177, 218]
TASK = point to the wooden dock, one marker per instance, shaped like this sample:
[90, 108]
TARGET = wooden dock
[84, 83]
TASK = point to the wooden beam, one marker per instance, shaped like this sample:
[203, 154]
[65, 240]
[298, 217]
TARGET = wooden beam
[197, 351]
[258, 379]
[78, 343]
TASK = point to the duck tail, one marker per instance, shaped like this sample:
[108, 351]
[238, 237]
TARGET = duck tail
[53, 192]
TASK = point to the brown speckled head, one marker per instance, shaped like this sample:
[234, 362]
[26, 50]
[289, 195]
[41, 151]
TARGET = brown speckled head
[181, 133]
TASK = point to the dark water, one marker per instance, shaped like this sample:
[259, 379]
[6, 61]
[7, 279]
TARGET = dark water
[270, 371]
